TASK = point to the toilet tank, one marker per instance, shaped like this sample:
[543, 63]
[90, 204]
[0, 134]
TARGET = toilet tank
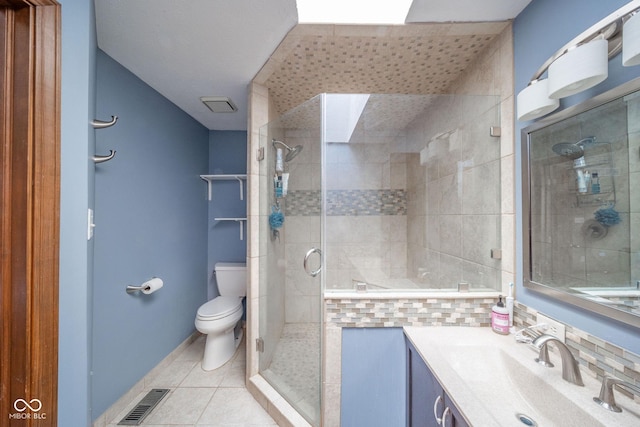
[231, 278]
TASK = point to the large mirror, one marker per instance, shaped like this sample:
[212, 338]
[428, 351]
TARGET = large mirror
[581, 194]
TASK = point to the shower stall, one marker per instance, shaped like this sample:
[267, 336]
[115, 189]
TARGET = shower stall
[370, 193]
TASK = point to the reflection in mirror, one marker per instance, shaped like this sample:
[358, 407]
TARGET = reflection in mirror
[583, 200]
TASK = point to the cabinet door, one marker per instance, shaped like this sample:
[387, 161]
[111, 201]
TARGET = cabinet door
[455, 419]
[423, 390]
[426, 399]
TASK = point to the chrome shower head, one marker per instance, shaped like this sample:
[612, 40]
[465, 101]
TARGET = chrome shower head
[291, 152]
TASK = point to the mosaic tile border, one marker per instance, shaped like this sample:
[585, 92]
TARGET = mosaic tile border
[348, 202]
[398, 312]
[595, 354]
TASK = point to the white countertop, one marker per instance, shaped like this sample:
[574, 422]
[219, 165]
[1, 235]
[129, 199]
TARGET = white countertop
[491, 378]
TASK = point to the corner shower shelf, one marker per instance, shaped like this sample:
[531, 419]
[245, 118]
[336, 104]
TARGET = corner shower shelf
[240, 220]
[211, 178]
[598, 157]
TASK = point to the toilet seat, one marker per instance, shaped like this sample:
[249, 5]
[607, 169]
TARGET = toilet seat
[219, 308]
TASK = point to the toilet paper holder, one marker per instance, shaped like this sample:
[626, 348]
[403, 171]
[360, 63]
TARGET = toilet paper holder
[132, 289]
[147, 287]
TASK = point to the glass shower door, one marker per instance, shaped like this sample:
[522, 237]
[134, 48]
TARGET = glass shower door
[290, 269]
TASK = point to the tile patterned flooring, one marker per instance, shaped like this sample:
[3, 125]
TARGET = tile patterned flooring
[216, 398]
[295, 368]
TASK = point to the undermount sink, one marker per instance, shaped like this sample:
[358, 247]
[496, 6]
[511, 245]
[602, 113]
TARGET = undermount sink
[495, 381]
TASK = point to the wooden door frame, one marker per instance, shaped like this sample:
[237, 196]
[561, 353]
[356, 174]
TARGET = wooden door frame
[30, 75]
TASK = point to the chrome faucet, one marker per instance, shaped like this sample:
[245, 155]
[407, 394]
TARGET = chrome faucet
[606, 399]
[570, 366]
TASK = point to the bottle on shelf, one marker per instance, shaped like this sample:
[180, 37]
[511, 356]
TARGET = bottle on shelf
[587, 180]
[595, 183]
[581, 181]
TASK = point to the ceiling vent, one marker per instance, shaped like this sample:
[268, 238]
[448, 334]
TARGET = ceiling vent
[219, 104]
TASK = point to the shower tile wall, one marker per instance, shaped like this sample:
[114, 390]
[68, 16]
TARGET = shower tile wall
[454, 210]
[381, 196]
[301, 229]
[366, 217]
[366, 235]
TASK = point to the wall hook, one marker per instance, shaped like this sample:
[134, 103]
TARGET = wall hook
[100, 159]
[100, 124]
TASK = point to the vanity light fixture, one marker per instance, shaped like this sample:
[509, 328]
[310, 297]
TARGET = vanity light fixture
[533, 101]
[583, 62]
[579, 69]
[219, 104]
[631, 41]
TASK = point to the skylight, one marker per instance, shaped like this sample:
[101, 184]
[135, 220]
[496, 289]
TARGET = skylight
[343, 111]
[353, 11]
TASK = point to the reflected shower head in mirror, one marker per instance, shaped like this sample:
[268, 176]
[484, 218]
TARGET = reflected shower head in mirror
[568, 149]
[291, 152]
[573, 150]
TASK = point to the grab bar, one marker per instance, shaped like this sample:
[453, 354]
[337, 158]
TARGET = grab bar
[312, 273]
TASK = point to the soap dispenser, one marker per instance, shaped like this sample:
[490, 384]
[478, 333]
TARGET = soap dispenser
[500, 318]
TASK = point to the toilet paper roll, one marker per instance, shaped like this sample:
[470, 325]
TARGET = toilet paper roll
[152, 285]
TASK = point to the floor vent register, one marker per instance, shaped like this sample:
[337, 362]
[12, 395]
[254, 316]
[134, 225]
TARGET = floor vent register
[144, 408]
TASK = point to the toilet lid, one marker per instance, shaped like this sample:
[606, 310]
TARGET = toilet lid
[219, 307]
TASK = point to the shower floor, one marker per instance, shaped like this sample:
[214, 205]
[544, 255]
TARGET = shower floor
[295, 368]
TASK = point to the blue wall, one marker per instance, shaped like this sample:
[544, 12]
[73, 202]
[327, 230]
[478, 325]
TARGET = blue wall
[76, 195]
[539, 31]
[150, 216]
[374, 377]
[161, 152]
[227, 155]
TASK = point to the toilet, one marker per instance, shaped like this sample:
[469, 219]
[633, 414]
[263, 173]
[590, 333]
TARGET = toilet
[218, 317]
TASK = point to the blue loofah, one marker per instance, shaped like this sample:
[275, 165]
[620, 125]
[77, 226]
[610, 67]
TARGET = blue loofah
[607, 216]
[276, 218]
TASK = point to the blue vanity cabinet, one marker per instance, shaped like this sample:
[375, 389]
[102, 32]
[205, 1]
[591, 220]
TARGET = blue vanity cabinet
[426, 398]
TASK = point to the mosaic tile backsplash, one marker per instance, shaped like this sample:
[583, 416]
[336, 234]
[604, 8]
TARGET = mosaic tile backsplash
[597, 355]
[348, 202]
[398, 312]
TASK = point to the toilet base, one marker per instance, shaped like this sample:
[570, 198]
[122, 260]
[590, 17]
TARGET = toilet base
[239, 335]
[219, 349]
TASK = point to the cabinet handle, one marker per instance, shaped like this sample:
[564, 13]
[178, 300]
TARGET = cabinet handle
[435, 409]
[447, 412]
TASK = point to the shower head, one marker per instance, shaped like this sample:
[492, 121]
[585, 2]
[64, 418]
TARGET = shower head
[291, 152]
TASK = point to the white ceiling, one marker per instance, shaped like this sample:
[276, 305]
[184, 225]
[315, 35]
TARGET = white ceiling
[186, 49]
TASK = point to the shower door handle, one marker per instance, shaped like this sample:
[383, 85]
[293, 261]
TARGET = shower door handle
[312, 273]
